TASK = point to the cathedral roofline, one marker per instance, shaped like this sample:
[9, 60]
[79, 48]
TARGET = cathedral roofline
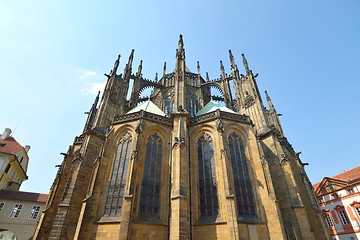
[141, 114]
[147, 106]
[218, 113]
[213, 106]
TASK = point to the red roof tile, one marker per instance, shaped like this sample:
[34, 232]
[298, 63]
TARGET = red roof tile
[11, 146]
[349, 175]
[316, 185]
[23, 196]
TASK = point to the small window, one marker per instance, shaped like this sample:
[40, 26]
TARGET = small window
[350, 191]
[2, 145]
[15, 213]
[344, 217]
[321, 200]
[1, 207]
[34, 212]
[335, 196]
[1, 235]
[358, 210]
[328, 220]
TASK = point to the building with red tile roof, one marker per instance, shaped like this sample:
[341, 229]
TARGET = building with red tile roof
[19, 211]
[14, 161]
[339, 199]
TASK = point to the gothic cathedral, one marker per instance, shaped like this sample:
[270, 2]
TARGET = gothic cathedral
[178, 165]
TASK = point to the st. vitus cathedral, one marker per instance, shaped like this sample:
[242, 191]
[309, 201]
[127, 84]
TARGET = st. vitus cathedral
[178, 165]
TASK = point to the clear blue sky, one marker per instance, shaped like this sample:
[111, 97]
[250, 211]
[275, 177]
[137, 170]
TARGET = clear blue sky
[53, 55]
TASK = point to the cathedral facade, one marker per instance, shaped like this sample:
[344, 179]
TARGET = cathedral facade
[178, 165]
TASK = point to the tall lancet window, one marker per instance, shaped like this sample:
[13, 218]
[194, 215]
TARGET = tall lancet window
[192, 105]
[209, 203]
[117, 183]
[151, 181]
[243, 189]
[169, 102]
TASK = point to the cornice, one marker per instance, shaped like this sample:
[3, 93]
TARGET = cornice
[222, 115]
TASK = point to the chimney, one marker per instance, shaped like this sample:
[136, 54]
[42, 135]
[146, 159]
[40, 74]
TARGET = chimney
[6, 134]
[27, 148]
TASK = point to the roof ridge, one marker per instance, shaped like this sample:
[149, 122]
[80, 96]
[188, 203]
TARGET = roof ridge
[348, 171]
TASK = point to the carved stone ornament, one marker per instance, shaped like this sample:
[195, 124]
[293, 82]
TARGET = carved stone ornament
[178, 141]
[220, 126]
[284, 159]
[139, 127]
[249, 101]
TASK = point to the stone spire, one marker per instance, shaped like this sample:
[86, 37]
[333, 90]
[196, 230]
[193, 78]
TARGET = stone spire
[274, 116]
[116, 65]
[236, 77]
[246, 66]
[180, 67]
[138, 73]
[181, 44]
[222, 69]
[136, 88]
[128, 67]
[249, 98]
[226, 87]
[232, 61]
[113, 101]
[164, 69]
[180, 185]
[91, 114]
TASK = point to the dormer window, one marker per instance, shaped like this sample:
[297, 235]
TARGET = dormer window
[335, 196]
[350, 191]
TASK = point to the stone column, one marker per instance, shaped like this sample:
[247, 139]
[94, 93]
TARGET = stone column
[180, 186]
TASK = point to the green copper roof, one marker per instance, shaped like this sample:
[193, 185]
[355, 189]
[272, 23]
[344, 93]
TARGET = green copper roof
[212, 107]
[148, 106]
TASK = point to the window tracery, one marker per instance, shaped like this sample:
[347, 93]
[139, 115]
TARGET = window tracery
[151, 181]
[208, 198]
[245, 200]
[115, 195]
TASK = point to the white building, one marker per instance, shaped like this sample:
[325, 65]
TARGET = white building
[19, 213]
[14, 161]
[339, 199]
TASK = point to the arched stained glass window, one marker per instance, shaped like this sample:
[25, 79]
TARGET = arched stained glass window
[209, 204]
[243, 189]
[117, 183]
[151, 181]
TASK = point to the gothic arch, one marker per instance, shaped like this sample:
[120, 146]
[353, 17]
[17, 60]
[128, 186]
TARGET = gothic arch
[239, 129]
[117, 133]
[242, 176]
[165, 134]
[207, 189]
[151, 185]
[199, 130]
[143, 88]
[217, 87]
[118, 172]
